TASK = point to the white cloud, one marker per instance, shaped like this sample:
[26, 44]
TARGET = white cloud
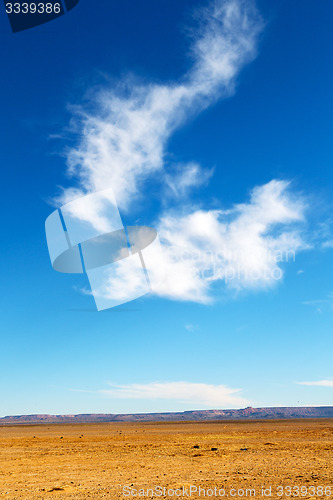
[319, 383]
[123, 140]
[244, 247]
[214, 396]
[180, 182]
[97, 212]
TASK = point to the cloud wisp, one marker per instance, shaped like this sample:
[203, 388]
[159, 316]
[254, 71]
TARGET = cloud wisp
[197, 394]
[123, 140]
[321, 305]
[318, 383]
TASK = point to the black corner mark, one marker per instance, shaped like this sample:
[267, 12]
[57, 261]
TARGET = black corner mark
[26, 14]
[70, 4]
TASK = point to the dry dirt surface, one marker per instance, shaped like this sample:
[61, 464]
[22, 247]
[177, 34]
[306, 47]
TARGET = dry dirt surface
[257, 459]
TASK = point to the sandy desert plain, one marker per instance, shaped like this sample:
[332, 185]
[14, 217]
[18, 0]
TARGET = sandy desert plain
[98, 460]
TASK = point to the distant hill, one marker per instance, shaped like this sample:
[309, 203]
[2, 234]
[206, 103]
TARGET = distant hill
[195, 415]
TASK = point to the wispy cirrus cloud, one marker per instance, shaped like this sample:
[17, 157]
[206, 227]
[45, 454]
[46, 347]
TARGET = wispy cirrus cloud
[208, 395]
[323, 234]
[321, 305]
[184, 178]
[123, 139]
[318, 383]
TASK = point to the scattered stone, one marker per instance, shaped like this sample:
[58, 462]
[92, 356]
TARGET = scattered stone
[213, 449]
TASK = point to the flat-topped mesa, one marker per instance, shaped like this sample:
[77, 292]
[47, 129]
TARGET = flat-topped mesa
[248, 413]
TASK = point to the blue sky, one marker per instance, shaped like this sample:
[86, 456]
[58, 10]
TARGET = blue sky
[241, 163]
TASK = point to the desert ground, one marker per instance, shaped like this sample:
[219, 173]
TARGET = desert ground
[117, 460]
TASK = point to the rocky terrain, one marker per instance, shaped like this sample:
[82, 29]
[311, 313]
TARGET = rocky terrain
[241, 459]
